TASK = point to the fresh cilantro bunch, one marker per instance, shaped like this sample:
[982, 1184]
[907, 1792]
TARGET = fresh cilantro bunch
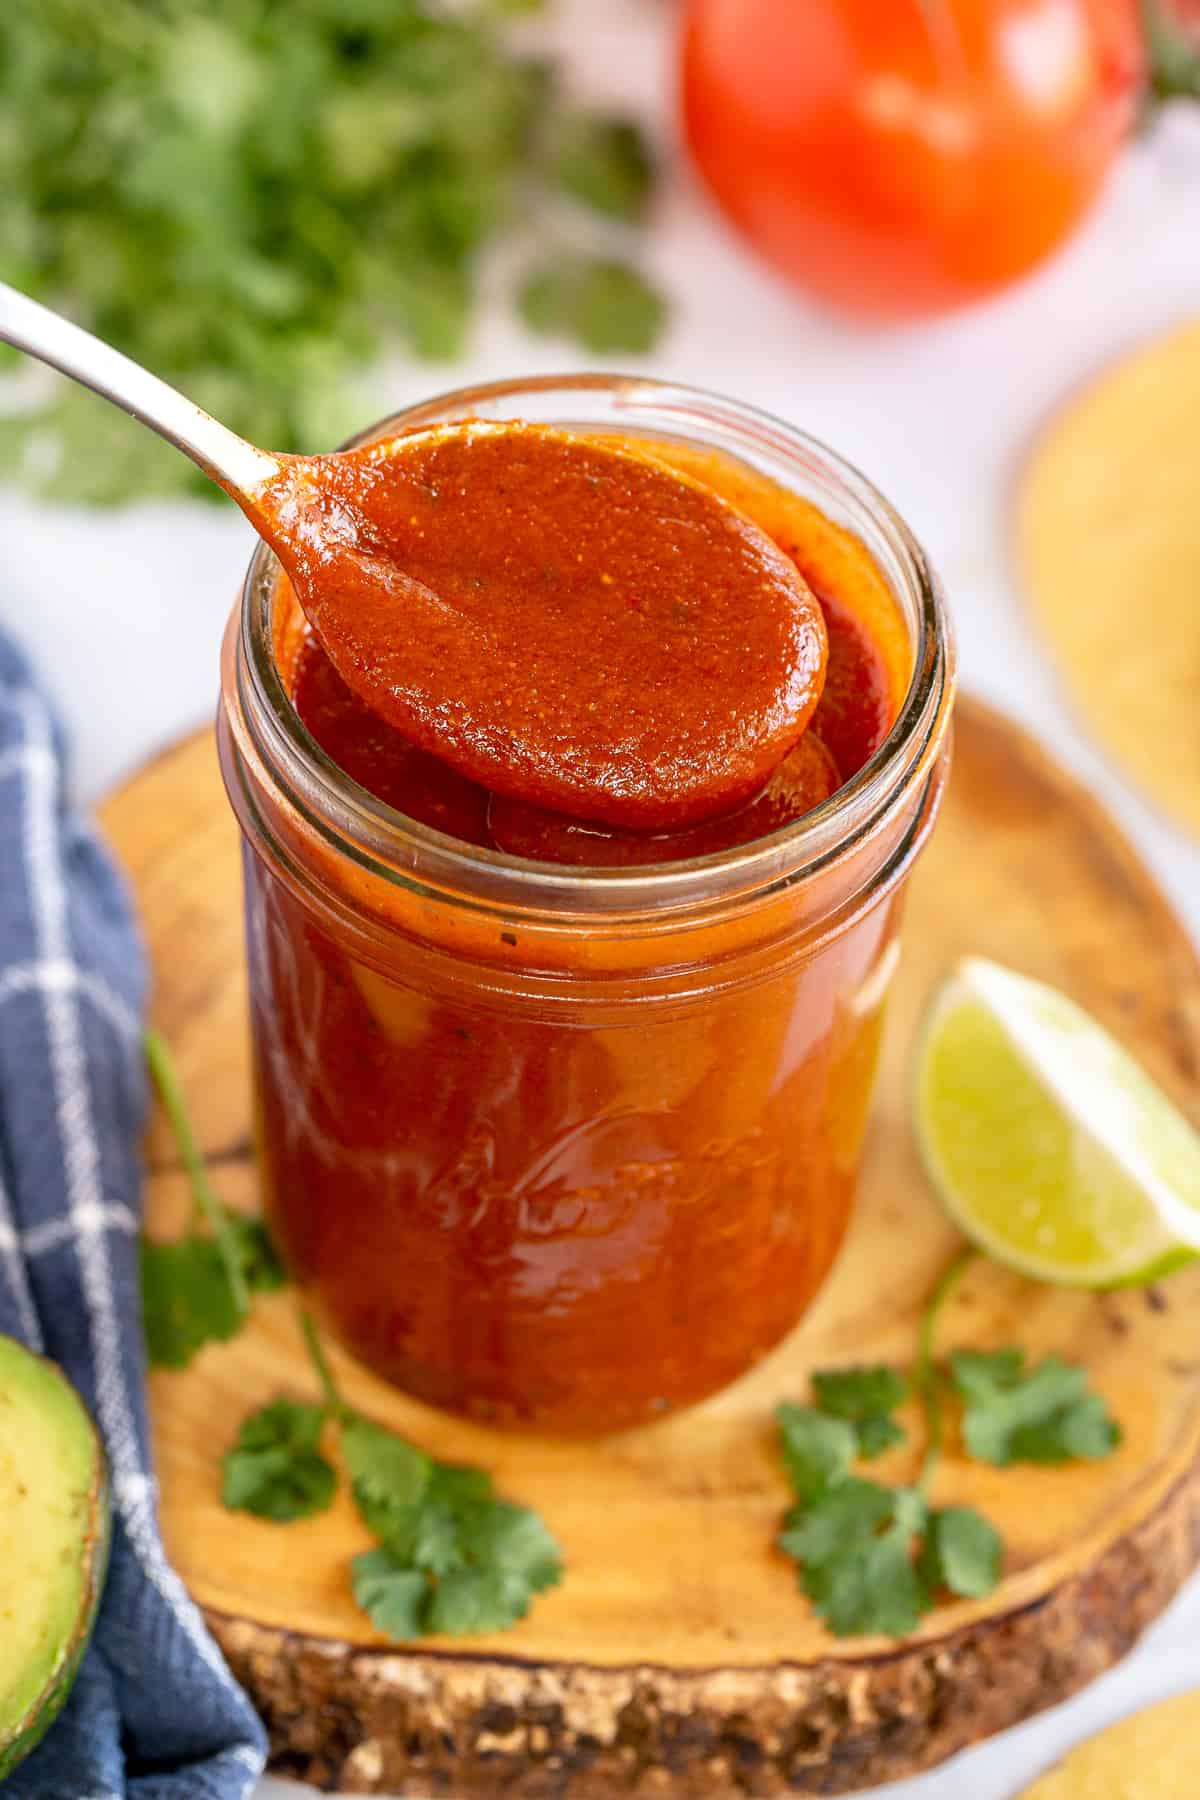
[197, 1289]
[453, 1556]
[872, 1557]
[255, 201]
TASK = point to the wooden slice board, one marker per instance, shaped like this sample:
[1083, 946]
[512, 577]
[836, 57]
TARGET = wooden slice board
[678, 1658]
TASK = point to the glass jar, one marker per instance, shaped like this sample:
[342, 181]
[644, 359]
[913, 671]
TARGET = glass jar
[566, 1148]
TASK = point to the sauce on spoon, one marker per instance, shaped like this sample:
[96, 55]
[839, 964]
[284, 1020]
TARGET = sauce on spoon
[568, 623]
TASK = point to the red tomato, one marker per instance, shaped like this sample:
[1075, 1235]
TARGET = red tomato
[899, 157]
[1186, 14]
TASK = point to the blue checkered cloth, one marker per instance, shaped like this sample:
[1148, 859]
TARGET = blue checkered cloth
[155, 1714]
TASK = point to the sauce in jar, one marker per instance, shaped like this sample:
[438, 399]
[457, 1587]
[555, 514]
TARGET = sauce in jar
[568, 1181]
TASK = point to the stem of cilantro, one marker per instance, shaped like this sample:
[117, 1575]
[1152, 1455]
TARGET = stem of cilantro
[925, 1377]
[329, 1388]
[204, 1201]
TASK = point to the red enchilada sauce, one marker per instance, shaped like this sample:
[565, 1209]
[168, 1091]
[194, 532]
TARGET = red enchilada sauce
[565, 620]
[575, 1225]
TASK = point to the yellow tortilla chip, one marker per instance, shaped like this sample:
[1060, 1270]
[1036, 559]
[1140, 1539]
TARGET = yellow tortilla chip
[1109, 540]
[1155, 1755]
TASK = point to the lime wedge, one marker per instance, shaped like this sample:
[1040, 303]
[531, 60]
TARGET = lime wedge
[1049, 1146]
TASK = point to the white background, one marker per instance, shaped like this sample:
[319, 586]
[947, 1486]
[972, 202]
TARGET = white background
[123, 610]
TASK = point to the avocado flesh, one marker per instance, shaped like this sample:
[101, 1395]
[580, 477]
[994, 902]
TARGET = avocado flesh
[54, 1520]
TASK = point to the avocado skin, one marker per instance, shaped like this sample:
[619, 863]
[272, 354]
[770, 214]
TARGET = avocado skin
[18, 1741]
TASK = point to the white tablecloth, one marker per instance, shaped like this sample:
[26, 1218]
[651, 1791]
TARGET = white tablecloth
[124, 610]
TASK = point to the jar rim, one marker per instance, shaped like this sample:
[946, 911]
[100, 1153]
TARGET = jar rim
[402, 849]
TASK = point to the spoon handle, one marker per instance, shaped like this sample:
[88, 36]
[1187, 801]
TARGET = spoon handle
[219, 452]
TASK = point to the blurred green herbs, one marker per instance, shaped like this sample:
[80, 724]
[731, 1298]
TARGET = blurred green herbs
[258, 199]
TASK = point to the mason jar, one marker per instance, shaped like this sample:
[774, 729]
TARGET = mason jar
[565, 1148]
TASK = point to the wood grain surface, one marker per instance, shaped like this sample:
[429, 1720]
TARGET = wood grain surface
[678, 1657]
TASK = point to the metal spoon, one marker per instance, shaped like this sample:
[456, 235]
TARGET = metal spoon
[239, 467]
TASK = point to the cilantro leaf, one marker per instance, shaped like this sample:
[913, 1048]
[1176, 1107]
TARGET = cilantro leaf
[819, 1533]
[429, 1532]
[477, 1599]
[255, 1250]
[187, 1301]
[187, 1296]
[460, 1488]
[197, 1289]
[439, 1542]
[817, 1451]
[895, 1599]
[454, 1556]
[513, 1538]
[605, 163]
[963, 1552]
[606, 305]
[867, 1397]
[275, 1468]
[873, 1586]
[1089, 1432]
[855, 1546]
[1040, 1415]
[983, 1371]
[508, 1556]
[394, 1596]
[388, 1476]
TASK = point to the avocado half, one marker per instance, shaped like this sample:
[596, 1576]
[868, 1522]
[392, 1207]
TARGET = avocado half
[54, 1536]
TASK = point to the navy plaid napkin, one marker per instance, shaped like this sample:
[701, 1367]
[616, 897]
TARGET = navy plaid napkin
[155, 1714]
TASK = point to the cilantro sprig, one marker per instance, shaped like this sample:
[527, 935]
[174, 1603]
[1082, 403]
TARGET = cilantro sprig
[452, 1555]
[276, 1469]
[198, 1288]
[872, 1558]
